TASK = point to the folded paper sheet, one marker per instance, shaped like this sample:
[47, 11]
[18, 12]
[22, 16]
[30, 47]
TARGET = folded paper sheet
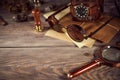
[59, 15]
[89, 42]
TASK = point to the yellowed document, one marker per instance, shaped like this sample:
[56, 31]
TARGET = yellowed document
[89, 42]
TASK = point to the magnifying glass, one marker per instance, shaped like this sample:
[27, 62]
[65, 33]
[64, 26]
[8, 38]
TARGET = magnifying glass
[75, 32]
[108, 55]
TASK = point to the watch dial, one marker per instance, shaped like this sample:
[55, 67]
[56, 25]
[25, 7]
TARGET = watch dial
[81, 11]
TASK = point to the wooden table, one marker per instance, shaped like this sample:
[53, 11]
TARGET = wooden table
[29, 55]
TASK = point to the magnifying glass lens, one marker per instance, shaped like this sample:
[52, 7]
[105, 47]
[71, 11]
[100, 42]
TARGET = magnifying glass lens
[75, 32]
[111, 54]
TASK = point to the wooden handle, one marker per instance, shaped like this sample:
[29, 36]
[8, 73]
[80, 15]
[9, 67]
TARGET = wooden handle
[84, 69]
[55, 17]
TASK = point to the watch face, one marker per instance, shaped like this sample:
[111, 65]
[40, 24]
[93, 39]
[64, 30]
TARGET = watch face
[81, 11]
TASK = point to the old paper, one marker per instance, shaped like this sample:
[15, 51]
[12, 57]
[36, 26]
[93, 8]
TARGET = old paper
[89, 42]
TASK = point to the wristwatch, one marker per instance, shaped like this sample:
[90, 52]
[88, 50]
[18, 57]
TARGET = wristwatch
[86, 10]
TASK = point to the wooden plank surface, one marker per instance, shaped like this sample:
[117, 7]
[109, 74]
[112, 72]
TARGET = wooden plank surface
[91, 27]
[110, 29]
[23, 34]
[67, 20]
[106, 31]
[115, 23]
[28, 55]
[50, 64]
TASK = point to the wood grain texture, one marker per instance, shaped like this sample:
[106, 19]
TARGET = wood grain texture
[27, 55]
[50, 64]
[114, 23]
[38, 64]
[67, 20]
[106, 31]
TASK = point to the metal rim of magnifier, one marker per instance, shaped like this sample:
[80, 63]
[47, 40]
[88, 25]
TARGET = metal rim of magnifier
[75, 32]
[99, 54]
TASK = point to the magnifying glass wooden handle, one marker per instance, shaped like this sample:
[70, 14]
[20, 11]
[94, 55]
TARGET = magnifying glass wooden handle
[54, 19]
[85, 68]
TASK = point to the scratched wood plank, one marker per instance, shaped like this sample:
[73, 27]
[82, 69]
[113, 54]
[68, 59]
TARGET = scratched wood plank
[67, 20]
[115, 23]
[27, 55]
[90, 27]
[106, 31]
[41, 63]
[23, 34]
[51, 59]
[48, 63]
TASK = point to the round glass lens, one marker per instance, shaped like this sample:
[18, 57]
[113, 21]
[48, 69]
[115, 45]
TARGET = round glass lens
[111, 54]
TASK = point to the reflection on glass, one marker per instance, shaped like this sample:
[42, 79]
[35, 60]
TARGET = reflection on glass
[111, 54]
